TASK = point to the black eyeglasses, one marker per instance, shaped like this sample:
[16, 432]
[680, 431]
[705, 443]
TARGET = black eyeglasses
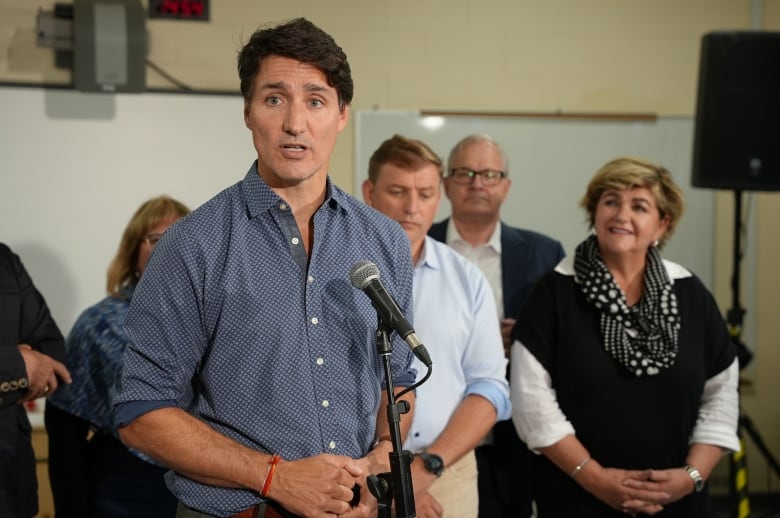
[152, 239]
[465, 176]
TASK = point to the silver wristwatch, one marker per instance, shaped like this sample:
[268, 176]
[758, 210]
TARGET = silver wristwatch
[698, 480]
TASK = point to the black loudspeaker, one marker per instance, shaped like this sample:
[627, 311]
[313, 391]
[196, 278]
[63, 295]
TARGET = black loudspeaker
[737, 137]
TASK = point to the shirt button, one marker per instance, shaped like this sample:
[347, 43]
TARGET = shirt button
[332, 445]
[320, 361]
[325, 403]
[315, 320]
[310, 279]
[283, 206]
[294, 240]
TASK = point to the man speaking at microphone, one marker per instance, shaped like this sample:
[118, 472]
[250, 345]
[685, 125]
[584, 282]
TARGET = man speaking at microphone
[251, 369]
[455, 314]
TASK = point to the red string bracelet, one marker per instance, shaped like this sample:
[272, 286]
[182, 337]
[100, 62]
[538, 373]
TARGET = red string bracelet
[269, 475]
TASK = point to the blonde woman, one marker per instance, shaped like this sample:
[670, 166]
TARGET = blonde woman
[92, 473]
[623, 376]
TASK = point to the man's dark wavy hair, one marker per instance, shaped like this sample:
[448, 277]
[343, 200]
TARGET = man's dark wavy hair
[303, 41]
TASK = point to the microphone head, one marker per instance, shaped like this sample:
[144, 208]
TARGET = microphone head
[362, 272]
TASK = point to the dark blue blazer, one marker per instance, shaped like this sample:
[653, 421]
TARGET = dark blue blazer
[525, 257]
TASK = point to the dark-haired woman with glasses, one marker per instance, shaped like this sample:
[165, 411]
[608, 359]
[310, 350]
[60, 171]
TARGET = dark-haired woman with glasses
[92, 473]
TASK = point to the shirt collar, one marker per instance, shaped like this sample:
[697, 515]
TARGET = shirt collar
[453, 236]
[428, 259]
[674, 270]
[260, 197]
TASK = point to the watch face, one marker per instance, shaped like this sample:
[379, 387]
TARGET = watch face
[433, 463]
[698, 481]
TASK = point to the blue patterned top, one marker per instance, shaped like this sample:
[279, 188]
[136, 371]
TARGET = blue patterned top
[230, 323]
[94, 350]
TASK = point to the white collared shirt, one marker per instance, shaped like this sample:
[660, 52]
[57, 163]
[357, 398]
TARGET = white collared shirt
[487, 257]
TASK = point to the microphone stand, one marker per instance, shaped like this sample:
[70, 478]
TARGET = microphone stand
[398, 483]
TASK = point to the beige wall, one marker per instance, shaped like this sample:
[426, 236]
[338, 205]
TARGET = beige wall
[503, 55]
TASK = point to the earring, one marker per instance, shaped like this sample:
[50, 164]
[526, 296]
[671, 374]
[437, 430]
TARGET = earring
[655, 243]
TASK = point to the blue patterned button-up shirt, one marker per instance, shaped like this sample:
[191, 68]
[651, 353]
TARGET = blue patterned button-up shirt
[94, 349]
[230, 323]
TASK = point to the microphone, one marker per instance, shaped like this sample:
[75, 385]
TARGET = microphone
[364, 275]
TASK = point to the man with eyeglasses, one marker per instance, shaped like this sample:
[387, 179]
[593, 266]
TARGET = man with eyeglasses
[512, 259]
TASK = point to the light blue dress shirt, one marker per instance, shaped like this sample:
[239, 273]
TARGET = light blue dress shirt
[455, 317]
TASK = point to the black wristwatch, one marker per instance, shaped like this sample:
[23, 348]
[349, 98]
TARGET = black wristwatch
[432, 462]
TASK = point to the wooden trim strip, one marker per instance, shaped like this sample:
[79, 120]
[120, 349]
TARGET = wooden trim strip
[603, 116]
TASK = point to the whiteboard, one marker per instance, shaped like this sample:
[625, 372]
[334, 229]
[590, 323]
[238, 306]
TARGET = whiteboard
[75, 166]
[550, 164]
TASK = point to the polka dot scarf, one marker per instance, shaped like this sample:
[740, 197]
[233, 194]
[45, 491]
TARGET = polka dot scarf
[643, 338]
